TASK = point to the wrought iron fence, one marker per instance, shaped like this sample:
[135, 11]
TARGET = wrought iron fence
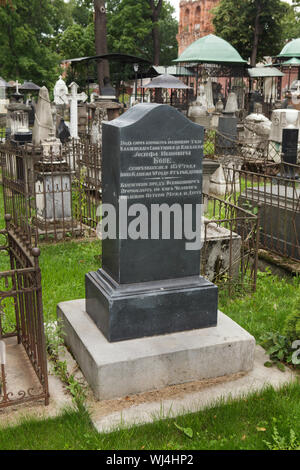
[276, 194]
[21, 318]
[252, 154]
[52, 196]
[229, 256]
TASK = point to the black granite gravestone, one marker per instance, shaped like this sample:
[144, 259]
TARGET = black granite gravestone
[290, 150]
[151, 155]
[225, 143]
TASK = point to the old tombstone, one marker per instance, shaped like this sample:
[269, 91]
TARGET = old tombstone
[209, 96]
[61, 93]
[74, 98]
[18, 119]
[290, 139]
[280, 122]
[3, 98]
[99, 115]
[152, 170]
[257, 128]
[52, 173]
[232, 104]
[279, 199]
[43, 124]
[149, 320]
[227, 135]
[198, 111]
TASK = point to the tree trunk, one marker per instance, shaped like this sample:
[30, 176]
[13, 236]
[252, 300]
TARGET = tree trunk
[257, 33]
[155, 13]
[101, 40]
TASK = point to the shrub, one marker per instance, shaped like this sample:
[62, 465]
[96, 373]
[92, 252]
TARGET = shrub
[292, 326]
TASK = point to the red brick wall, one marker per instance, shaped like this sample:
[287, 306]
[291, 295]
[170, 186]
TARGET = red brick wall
[195, 21]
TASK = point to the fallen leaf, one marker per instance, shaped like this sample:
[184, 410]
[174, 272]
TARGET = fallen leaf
[261, 429]
[244, 437]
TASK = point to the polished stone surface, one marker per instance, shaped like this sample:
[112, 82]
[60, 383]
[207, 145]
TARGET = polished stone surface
[152, 155]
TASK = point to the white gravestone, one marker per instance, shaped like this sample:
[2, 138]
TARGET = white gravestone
[74, 98]
[43, 124]
[209, 96]
[279, 122]
[61, 93]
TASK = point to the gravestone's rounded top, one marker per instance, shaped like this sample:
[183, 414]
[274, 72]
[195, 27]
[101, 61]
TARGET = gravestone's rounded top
[143, 111]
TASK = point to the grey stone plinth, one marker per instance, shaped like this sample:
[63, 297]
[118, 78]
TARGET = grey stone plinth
[118, 369]
[131, 311]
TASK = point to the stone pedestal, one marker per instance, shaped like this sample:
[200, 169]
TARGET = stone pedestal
[128, 311]
[53, 196]
[209, 168]
[115, 370]
[112, 108]
[222, 253]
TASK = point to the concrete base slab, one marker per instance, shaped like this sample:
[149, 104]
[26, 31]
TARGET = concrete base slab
[175, 401]
[129, 367]
[20, 376]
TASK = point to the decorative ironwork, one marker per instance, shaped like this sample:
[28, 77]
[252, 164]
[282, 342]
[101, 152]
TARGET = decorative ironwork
[55, 197]
[236, 262]
[22, 285]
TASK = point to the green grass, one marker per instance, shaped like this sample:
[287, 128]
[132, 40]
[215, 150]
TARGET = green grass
[233, 425]
[266, 309]
[63, 269]
[241, 424]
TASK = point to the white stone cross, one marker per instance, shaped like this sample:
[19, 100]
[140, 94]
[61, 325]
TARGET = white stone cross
[74, 97]
[17, 86]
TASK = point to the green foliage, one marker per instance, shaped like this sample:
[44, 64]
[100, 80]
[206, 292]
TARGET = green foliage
[54, 338]
[76, 389]
[79, 195]
[240, 32]
[36, 35]
[26, 35]
[128, 26]
[129, 29]
[292, 326]
[278, 348]
[282, 442]
[230, 425]
[77, 41]
[188, 432]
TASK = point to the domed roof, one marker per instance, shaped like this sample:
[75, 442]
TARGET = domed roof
[291, 49]
[211, 49]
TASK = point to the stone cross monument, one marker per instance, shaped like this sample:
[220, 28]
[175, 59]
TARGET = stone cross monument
[74, 98]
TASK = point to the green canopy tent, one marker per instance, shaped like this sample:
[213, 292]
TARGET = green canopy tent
[212, 56]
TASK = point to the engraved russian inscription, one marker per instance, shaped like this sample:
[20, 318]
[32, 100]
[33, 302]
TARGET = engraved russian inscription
[160, 169]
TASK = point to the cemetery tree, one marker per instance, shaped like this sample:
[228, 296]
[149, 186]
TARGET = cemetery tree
[26, 35]
[291, 22]
[101, 39]
[130, 30]
[129, 26]
[257, 29]
[156, 7]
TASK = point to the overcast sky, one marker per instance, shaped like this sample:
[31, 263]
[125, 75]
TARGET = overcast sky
[175, 4]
